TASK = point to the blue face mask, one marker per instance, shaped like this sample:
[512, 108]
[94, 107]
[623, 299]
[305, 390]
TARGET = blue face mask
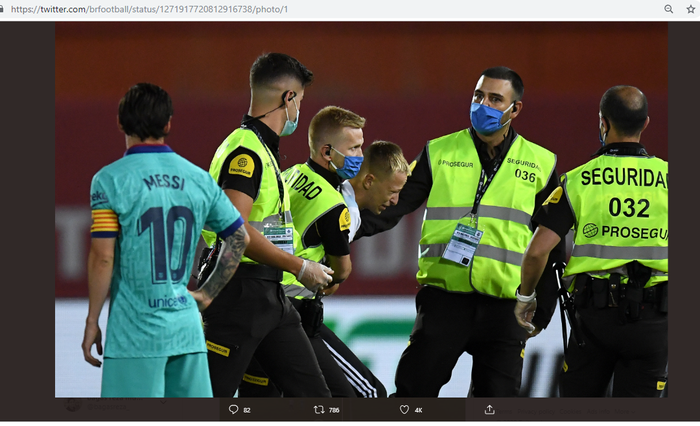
[487, 120]
[351, 166]
[290, 126]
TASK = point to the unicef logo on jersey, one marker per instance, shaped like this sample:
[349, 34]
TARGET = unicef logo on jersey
[590, 230]
[168, 302]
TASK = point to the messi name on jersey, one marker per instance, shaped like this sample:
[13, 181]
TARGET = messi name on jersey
[165, 181]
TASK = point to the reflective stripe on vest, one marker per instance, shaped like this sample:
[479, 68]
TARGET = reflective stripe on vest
[270, 219]
[504, 214]
[265, 207]
[454, 213]
[608, 252]
[621, 208]
[489, 252]
[295, 289]
[310, 196]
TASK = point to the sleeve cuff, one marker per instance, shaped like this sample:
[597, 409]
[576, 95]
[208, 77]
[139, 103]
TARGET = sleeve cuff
[231, 229]
[104, 234]
[540, 321]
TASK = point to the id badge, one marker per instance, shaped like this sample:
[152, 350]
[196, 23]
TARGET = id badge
[463, 244]
[281, 235]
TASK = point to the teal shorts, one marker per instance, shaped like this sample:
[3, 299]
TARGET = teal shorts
[180, 376]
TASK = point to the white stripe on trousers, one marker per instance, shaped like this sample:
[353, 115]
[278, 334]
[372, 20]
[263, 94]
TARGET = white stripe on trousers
[357, 380]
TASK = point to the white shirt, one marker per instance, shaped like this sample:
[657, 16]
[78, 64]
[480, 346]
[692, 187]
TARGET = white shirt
[349, 195]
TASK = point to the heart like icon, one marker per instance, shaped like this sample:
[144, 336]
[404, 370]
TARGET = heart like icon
[233, 408]
[404, 409]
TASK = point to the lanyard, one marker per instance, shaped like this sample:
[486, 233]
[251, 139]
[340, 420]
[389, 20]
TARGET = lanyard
[484, 184]
[280, 186]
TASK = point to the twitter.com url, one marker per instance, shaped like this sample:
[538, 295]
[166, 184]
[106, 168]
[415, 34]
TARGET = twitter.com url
[160, 9]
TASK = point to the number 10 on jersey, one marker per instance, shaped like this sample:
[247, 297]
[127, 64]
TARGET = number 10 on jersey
[163, 233]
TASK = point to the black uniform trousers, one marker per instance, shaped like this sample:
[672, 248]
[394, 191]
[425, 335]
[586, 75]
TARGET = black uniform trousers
[449, 324]
[635, 352]
[250, 316]
[345, 375]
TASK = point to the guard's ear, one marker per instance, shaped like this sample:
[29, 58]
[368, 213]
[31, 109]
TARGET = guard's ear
[368, 180]
[326, 152]
[288, 95]
[517, 108]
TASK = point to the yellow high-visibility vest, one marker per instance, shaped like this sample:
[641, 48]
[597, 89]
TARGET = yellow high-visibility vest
[266, 206]
[620, 204]
[311, 196]
[503, 215]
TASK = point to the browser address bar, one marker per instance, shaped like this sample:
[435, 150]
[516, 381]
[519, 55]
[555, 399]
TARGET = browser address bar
[361, 10]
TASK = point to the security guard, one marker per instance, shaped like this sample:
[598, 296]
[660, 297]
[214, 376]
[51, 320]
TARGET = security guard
[322, 219]
[251, 315]
[482, 186]
[617, 204]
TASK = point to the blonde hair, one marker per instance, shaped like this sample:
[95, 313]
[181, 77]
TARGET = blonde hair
[328, 122]
[383, 158]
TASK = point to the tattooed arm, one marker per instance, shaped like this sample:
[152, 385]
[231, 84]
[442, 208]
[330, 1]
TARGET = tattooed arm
[232, 250]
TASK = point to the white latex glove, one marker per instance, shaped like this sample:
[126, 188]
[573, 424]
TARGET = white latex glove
[524, 312]
[314, 276]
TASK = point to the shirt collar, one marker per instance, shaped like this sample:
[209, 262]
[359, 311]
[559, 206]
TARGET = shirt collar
[270, 138]
[331, 177]
[634, 149]
[144, 148]
[482, 147]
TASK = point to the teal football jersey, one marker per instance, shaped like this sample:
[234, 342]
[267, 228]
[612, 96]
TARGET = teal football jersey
[155, 203]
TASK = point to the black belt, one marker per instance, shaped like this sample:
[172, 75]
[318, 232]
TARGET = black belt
[607, 292]
[258, 271]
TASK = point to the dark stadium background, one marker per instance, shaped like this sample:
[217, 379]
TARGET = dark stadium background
[411, 81]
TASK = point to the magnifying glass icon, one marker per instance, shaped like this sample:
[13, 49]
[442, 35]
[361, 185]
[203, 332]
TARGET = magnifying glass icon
[668, 8]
